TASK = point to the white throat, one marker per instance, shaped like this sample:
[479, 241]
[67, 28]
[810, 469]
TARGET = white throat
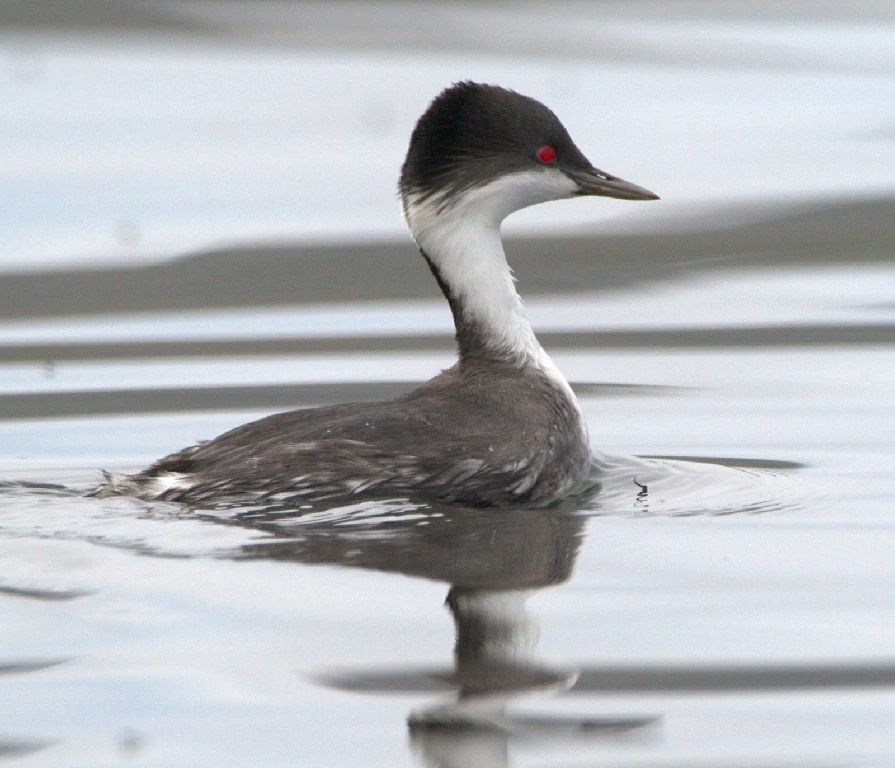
[462, 238]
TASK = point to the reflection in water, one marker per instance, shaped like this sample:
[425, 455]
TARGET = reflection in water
[471, 549]
[493, 562]
[495, 662]
[495, 648]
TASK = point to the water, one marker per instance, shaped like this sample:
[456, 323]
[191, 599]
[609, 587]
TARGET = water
[726, 599]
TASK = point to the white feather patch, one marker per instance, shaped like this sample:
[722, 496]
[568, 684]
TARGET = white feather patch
[462, 237]
[169, 481]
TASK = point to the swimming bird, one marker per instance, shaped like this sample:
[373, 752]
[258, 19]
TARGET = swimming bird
[500, 428]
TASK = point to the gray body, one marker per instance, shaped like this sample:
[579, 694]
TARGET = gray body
[483, 433]
[500, 428]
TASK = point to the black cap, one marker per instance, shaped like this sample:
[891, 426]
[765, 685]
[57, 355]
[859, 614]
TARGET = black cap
[472, 134]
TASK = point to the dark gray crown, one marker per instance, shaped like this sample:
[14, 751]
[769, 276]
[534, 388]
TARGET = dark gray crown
[472, 134]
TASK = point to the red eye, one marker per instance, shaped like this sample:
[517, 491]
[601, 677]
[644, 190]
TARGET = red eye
[546, 154]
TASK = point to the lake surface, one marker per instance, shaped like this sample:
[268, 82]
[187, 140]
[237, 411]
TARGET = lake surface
[726, 599]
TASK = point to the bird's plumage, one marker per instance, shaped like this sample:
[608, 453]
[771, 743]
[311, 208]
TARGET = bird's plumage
[502, 426]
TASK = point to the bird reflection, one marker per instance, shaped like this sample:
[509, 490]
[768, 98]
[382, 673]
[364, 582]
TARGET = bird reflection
[495, 664]
[495, 646]
[493, 561]
[470, 549]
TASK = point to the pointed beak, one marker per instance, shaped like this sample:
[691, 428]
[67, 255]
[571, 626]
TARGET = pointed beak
[596, 182]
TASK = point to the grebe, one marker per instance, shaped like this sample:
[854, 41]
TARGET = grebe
[501, 427]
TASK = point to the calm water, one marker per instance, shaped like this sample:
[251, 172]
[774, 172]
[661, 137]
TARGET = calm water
[727, 599]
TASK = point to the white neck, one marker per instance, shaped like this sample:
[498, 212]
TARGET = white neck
[462, 238]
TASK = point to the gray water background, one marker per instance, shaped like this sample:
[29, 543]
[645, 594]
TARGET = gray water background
[199, 227]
